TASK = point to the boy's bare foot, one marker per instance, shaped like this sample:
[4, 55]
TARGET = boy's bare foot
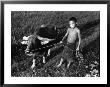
[68, 64]
[61, 61]
[58, 66]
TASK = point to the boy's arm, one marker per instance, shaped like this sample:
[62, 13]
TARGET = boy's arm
[79, 36]
[65, 35]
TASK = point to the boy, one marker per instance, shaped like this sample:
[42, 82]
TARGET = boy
[70, 48]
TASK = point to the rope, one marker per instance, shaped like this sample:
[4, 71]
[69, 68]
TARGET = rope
[53, 45]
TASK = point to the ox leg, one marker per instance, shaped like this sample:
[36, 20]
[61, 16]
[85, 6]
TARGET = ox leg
[33, 62]
[48, 54]
[33, 65]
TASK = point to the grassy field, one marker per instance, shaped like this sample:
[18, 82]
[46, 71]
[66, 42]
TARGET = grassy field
[25, 23]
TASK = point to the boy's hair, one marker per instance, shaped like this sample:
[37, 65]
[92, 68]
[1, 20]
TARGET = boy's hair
[73, 19]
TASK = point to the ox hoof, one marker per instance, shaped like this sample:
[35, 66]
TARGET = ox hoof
[48, 54]
[58, 66]
[32, 67]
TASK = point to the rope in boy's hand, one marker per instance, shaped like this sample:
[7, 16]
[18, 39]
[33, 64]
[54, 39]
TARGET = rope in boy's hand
[61, 41]
[77, 53]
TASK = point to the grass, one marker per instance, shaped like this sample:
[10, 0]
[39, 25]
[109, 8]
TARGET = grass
[25, 23]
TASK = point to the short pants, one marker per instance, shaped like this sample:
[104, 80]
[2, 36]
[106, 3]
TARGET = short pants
[69, 52]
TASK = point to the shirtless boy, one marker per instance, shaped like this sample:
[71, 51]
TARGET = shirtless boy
[69, 49]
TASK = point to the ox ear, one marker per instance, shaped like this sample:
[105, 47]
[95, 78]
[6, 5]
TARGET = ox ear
[25, 38]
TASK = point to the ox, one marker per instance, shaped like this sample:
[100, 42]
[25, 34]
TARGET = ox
[40, 43]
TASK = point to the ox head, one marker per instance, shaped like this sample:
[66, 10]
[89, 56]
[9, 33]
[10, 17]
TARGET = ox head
[25, 40]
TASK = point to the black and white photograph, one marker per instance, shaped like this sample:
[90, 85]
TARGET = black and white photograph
[55, 41]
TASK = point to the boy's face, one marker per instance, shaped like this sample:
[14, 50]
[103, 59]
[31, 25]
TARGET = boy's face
[72, 24]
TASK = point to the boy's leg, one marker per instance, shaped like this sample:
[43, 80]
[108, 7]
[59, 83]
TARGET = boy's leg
[68, 64]
[61, 61]
[44, 59]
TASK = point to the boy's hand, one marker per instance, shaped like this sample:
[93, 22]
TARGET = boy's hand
[61, 42]
[77, 52]
[77, 49]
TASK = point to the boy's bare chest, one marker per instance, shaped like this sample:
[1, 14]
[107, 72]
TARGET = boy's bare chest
[72, 32]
